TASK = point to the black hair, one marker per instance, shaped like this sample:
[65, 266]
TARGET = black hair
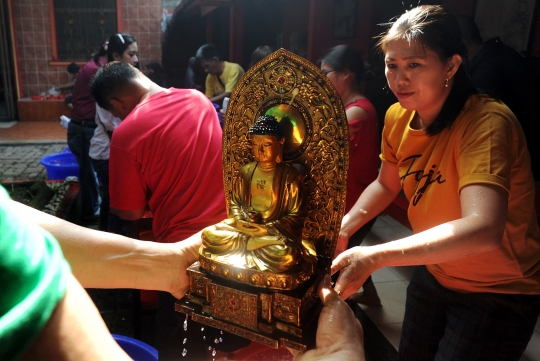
[207, 52]
[73, 68]
[267, 125]
[260, 53]
[118, 43]
[101, 53]
[436, 29]
[345, 57]
[470, 34]
[110, 81]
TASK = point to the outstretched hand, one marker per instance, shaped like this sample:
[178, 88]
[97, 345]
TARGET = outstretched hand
[355, 266]
[186, 253]
[339, 335]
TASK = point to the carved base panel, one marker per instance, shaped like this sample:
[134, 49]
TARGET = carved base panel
[270, 280]
[275, 319]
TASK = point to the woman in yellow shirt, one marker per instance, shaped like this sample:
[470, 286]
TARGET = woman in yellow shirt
[462, 162]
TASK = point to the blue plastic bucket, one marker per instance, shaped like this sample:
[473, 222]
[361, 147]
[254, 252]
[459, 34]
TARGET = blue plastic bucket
[137, 350]
[60, 165]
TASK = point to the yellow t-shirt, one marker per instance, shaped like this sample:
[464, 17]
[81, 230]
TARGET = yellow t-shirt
[484, 145]
[230, 76]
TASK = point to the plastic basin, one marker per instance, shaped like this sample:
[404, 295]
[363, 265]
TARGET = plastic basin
[60, 165]
[137, 350]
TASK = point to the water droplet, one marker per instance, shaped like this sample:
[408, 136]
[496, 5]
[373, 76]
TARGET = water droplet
[214, 352]
[216, 341]
[209, 348]
[185, 340]
[185, 325]
[204, 337]
[184, 352]
[202, 329]
[221, 332]
[220, 339]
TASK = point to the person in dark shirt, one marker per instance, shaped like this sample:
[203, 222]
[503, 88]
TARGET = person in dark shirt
[80, 131]
[503, 73]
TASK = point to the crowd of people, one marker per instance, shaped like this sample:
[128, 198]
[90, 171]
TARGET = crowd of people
[454, 145]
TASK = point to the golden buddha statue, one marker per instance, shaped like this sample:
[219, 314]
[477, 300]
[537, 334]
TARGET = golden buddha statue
[267, 211]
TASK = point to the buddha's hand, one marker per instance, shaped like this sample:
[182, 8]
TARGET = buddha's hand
[253, 229]
[263, 241]
[228, 224]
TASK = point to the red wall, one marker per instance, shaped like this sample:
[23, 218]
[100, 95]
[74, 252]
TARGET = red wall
[33, 40]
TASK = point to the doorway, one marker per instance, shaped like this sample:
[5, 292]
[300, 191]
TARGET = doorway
[7, 91]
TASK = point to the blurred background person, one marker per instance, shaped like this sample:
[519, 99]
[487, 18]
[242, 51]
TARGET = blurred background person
[121, 47]
[344, 66]
[195, 76]
[259, 54]
[503, 73]
[80, 131]
[155, 72]
[222, 75]
[72, 70]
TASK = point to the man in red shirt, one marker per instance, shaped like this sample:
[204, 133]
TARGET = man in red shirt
[166, 157]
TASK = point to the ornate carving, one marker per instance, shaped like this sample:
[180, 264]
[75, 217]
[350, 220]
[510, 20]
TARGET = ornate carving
[198, 284]
[276, 281]
[321, 145]
[266, 306]
[235, 306]
[287, 309]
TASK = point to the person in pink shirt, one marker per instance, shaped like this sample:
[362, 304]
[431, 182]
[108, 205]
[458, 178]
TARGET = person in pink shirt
[344, 67]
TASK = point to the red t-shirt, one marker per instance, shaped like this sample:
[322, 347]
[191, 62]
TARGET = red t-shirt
[84, 105]
[167, 154]
[364, 149]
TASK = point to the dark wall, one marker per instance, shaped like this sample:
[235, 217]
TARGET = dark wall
[184, 35]
[263, 24]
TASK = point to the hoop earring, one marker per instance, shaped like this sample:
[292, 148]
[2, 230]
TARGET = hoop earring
[446, 83]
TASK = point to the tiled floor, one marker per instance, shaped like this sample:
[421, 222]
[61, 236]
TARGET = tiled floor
[38, 132]
[391, 284]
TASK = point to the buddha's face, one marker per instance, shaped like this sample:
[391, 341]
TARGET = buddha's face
[266, 148]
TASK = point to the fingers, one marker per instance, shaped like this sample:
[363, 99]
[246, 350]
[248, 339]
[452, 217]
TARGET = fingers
[341, 261]
[326, 292]
[351, 274]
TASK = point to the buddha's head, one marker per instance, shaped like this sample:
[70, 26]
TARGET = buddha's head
[267, 139]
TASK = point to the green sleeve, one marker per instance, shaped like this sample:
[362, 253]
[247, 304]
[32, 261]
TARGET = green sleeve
[33, 277]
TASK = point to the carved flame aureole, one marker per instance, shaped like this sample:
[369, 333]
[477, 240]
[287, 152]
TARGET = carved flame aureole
[310, 111]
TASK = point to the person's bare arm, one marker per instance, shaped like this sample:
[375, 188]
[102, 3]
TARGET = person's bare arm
[480, 229]
[373, 200]
[107, 260]
[75, 332]
[219, 98]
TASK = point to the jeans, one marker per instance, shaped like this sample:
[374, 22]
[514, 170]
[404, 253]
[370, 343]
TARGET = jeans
[78, 139]
[108, 221]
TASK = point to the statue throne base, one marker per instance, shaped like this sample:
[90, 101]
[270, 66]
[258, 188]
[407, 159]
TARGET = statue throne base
[273, 318]
[279, 309]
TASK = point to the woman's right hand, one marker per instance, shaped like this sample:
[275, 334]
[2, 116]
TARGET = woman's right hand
[355, 266]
